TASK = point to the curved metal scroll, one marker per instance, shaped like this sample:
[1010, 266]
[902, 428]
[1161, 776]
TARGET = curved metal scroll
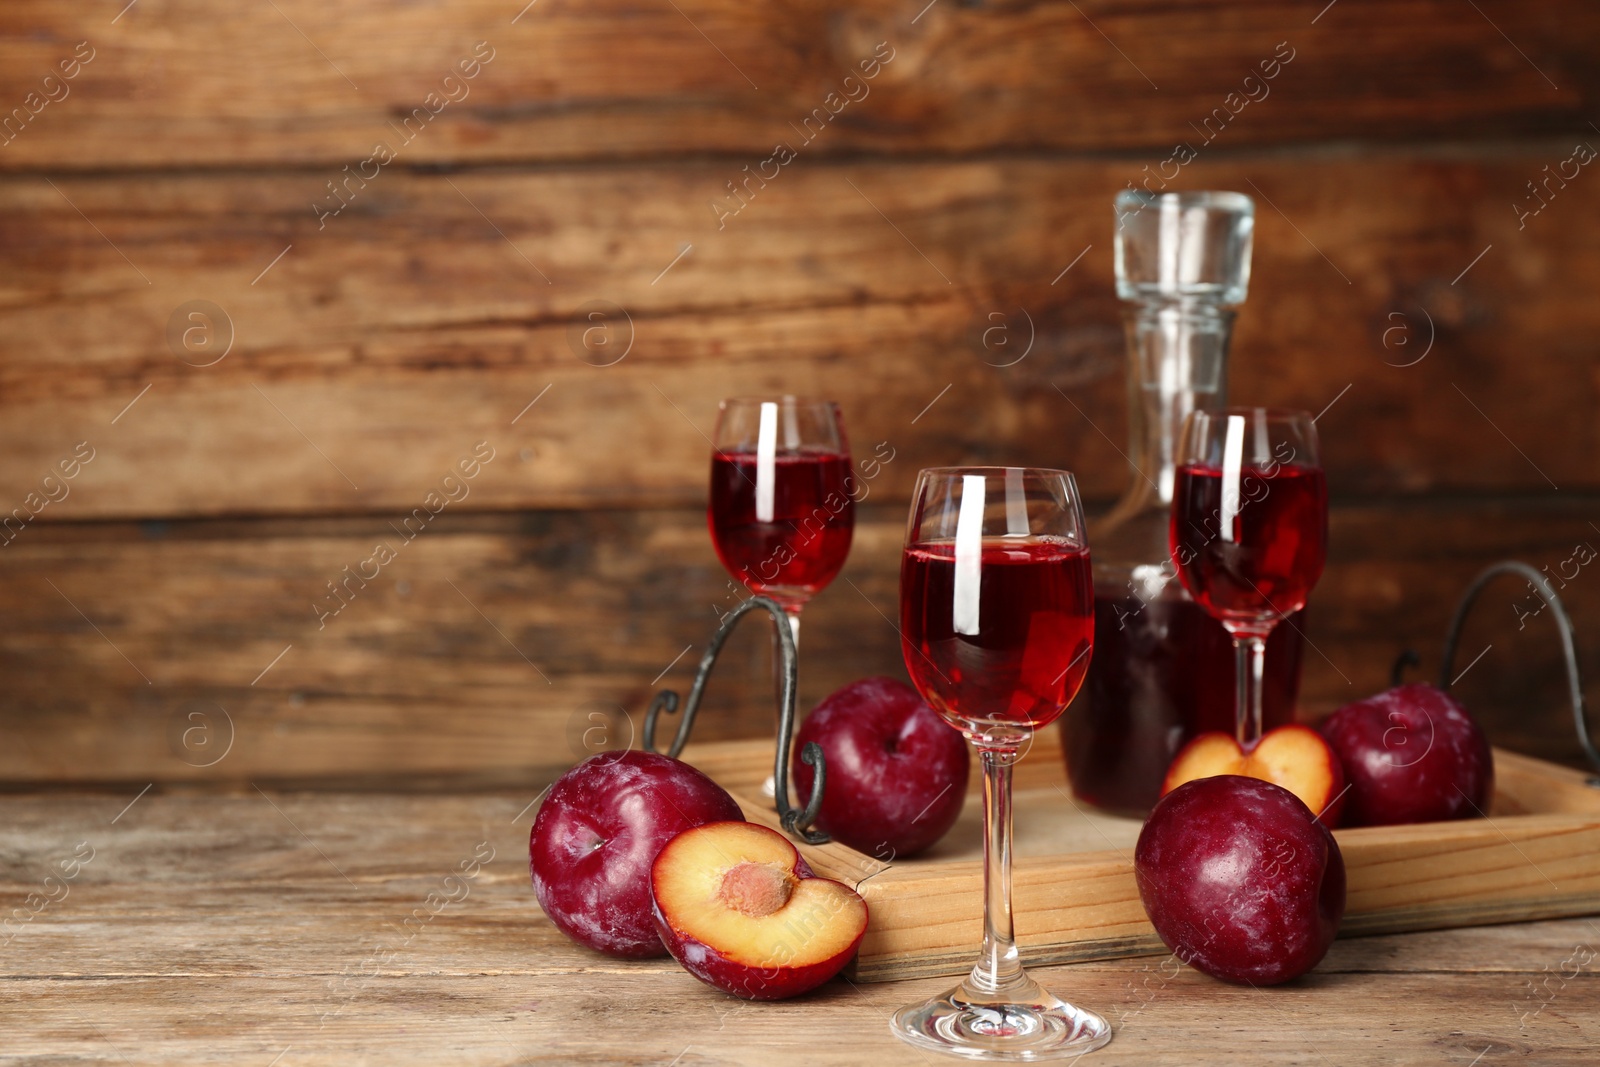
[1542, 586]
[1406, 659]
[798, 821]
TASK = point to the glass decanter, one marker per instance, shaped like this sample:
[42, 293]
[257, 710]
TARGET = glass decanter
[1163, 669]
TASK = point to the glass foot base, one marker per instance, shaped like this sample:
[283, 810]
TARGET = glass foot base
[1042, 1028]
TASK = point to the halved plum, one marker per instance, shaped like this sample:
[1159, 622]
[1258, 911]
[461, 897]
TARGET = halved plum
[738, 907]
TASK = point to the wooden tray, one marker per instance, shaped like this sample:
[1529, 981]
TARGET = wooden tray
[1536, 856]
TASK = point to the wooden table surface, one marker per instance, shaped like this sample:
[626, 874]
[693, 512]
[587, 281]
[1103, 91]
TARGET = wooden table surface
[299, 928]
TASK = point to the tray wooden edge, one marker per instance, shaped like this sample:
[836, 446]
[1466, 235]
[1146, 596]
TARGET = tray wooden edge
[1470, 872]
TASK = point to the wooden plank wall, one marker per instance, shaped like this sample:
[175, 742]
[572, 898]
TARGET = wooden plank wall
[257, 339]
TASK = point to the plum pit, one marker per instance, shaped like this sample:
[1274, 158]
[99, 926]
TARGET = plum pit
[756, 889]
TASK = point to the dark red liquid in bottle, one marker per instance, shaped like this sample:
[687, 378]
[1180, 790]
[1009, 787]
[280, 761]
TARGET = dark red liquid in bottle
[1162, 672]
[1276, 541]
[1034, 632]
[802, 549]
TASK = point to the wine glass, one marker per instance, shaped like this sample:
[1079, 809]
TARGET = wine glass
[1249, 530]
[782, 507]
[997, 624]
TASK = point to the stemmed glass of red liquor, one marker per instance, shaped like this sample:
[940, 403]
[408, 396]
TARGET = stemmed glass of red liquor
[997, 628]
[1249, 530]
[782, 507]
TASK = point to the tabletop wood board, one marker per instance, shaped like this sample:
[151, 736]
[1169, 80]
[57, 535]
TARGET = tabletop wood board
[1535, 855]
[272, 928]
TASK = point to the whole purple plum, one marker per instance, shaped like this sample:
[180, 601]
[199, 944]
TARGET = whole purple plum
[1240, 879]
[598, 833]
[1411, 754]
[897, 772]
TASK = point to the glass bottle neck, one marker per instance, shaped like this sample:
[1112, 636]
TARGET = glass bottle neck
[1177, 363]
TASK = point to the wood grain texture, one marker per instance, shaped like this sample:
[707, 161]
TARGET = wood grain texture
[1075, 897]
[380, 348]
[497, 648]
[184, 82]
[1542, 787]
[221, 929]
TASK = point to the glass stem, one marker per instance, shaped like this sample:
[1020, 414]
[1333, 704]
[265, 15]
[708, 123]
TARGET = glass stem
[1250, 659]
[999, 966]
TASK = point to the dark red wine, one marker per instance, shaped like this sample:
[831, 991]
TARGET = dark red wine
[1162, 672]
[801, 550]
[1278, 538]
[1035, 629]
